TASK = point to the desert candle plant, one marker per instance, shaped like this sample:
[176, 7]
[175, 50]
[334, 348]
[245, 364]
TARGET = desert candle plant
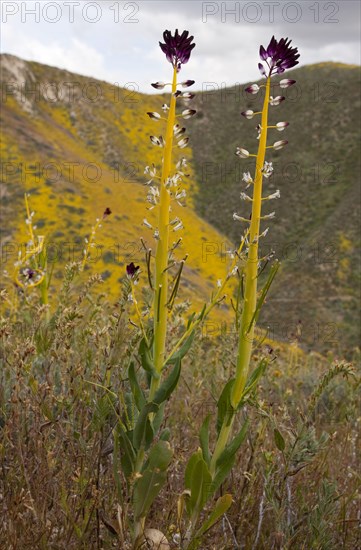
[278, 57]
[148, 456]
[177, 49]
[213, 469]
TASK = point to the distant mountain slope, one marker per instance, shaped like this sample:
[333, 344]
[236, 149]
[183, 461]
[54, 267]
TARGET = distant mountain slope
[78, 146]
[97, 138]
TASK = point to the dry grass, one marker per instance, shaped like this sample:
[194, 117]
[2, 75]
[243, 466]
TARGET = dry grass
[62, 386]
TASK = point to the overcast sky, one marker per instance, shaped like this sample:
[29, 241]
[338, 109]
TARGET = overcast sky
[117, 41]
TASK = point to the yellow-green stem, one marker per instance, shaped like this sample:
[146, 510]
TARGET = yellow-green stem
[246, 336]
[161, 257]
[221, 444]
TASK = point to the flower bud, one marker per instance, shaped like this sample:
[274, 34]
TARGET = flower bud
[183, 143]
[188, 113]
[187, 83]
[178, 131]
[159, 142]
[282, 125]
[253, 89]
[286, 83]
[188, 96]
[154, 116]
[279, 144]
[248, 114]
[158, 85]
[243, 153]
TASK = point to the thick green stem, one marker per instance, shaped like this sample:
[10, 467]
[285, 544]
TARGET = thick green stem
[221, 443]
[161, 258]
[138, 534]
[246, 336]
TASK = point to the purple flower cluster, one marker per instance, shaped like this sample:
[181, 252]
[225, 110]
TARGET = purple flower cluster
[177, 48]
[279, 56]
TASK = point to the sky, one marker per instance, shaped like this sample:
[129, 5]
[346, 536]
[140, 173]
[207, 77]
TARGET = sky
[117, 41]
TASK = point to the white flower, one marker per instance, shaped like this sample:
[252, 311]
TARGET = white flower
[151, 170]
[245, 197]
[219, 283]
[275, 195]
[267, 169]
[269, 216]
[247, 178]
[238, 218]
[153, 194]
[264, 232]
[182, 163]
[180, 194]
[276, 100]
[147, 224]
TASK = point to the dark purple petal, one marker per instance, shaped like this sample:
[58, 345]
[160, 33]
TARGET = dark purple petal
[262, 53]
[177, 48]
[262, 70]
[272, 47]
[279, 55]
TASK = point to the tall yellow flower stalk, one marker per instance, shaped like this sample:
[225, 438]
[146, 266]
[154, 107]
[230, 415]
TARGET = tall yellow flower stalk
[161, 257]
[278, 56]
[177, 49]
[246, 335]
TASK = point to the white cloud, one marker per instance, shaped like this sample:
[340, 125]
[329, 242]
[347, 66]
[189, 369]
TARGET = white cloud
[225, 53]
